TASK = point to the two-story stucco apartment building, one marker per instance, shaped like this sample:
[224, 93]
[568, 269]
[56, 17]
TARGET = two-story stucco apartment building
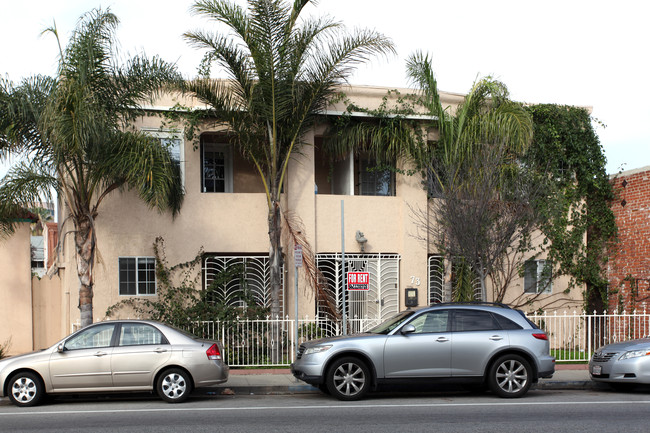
[225, 213]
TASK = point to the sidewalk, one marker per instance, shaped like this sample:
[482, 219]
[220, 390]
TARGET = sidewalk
[280, 381]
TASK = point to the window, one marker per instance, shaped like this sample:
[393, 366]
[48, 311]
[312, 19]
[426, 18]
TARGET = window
[506, 323]
[137, 275]
[91, 338]
[433, 321]
[174, 143]
[537, 276]
[216, 167]
[474, 320]
[375, 180]
[132, 334]
[249, 279]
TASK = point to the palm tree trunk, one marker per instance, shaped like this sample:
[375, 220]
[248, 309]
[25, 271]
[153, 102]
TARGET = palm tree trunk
[275, 259]
[85, 245]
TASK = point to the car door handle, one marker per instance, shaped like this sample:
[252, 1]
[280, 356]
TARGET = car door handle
[160, 350]
[100, 354]
[442, 339]
[496, 338]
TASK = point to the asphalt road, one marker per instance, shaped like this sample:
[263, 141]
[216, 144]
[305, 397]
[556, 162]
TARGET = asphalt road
[543, 411]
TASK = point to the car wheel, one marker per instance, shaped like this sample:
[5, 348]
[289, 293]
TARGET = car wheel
[510, 376]
[174, 385]
[26, 389]
[348, 379]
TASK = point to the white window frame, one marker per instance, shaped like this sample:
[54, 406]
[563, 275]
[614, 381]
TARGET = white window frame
[541, 279]
[169, 134]
[137, 277]
[228, 165]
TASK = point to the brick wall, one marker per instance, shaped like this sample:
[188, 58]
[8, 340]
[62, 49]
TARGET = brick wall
[629, 266]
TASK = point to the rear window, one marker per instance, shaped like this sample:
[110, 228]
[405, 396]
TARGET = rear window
[531, 323]
[506, 323]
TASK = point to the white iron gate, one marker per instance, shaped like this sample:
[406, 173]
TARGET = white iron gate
[379, 302]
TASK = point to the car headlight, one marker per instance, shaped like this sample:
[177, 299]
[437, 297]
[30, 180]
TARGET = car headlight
[317, 349]
[634, 354]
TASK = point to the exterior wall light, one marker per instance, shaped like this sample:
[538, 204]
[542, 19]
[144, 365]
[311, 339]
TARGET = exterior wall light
[361, 239]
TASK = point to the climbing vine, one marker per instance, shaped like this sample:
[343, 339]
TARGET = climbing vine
[577, 221]
[181, 301]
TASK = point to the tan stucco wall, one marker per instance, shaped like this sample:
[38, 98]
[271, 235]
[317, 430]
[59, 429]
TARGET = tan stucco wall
[16, 291]
[48, 309]
[237, 223]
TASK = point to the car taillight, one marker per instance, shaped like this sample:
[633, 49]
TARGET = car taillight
[213, 352]
[540, 336]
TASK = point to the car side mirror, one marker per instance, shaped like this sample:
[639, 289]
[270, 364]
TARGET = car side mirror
[408, 329]
[60, 348]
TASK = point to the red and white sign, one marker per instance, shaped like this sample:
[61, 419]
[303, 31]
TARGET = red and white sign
[358, 280]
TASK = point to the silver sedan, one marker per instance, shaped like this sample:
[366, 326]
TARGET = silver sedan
[123, 355]
[622, 364]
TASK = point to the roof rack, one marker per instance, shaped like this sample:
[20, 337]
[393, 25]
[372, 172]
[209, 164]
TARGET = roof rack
[493, 304]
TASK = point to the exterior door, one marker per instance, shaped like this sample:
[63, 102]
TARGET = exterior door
[85, 362]
[423, 353]
[475, 332]
[141, 350]
[365, 308]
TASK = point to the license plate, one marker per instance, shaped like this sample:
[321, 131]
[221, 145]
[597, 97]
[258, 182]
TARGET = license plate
[597, 370]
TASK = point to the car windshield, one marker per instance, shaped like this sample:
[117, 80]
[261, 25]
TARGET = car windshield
[392, 323]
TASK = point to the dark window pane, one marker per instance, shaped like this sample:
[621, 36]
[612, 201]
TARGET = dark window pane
[530, 276]
[506, 323]
[474, 320]
[127, 276]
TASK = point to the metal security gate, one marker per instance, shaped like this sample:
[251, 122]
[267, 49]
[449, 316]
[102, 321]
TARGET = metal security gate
[380, 302]
[437, 292]
[462, 283]
[255, 277]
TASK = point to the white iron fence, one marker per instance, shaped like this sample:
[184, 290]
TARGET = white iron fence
[270, 342]
[573, 336]
[576, 336]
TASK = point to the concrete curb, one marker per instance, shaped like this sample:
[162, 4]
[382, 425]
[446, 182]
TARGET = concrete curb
[268, 390]
[308, 389]
[566, 385]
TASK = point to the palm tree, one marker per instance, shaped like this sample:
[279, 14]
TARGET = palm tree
[473, 166]
[282, 72]
[70, 132]
[486, 117]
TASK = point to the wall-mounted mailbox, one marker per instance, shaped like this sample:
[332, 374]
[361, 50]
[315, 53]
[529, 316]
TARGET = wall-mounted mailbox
[411, 297]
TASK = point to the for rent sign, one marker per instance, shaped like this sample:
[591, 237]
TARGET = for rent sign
[358, 280]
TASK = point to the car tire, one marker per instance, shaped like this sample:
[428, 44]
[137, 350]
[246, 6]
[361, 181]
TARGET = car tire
[174, 385]
[510, 376]
[348, 379]
[26, 389]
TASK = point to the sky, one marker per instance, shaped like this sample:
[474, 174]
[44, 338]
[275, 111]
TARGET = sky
[577, 52]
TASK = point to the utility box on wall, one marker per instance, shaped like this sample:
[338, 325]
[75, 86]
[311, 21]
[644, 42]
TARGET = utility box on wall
[411, 297]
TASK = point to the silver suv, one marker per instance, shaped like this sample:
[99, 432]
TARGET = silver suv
[489, 344]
